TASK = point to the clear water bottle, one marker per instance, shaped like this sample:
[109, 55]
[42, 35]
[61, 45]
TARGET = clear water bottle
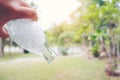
[29, 35]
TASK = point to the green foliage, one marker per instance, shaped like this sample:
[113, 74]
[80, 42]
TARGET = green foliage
[64, 51]
[61, 34]
[65, 38]
[96, 19]
[95, 50]
[100, 2]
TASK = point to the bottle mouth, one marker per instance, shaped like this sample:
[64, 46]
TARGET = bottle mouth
[49, 59]
[51, 54]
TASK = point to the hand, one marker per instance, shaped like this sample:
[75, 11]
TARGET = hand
[14, 9]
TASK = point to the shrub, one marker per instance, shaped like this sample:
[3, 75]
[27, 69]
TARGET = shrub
[64, 51]
[95, 51]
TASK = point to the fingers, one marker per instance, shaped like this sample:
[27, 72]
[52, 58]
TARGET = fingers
[26, 12]
[23, 10]
[22, 3]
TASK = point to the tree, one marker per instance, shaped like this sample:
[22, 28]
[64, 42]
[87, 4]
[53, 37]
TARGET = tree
[2, 44]
[94, 23]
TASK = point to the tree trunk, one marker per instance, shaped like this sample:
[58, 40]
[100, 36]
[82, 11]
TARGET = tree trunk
[2, 43]
[103, 46]
[111, 48]
[10, 46]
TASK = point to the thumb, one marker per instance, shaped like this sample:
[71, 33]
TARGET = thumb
[3, 33]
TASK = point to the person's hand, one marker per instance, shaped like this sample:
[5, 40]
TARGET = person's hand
[14, 9]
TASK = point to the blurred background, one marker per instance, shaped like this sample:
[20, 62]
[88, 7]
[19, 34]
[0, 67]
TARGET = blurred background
[85, 35]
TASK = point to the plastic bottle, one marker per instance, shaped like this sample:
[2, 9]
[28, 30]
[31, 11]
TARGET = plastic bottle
[29, 35]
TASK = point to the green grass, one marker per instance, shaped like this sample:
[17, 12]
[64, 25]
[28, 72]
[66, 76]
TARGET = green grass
[63, 68]
[8, 56]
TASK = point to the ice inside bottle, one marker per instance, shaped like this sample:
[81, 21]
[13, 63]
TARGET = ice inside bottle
[29, 35]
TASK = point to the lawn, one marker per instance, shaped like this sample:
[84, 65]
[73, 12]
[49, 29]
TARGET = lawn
[62, 68]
